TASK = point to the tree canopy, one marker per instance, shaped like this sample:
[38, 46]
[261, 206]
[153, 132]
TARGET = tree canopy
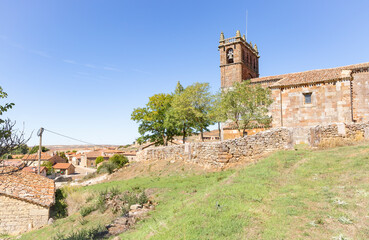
[182, 113]
[246, 105]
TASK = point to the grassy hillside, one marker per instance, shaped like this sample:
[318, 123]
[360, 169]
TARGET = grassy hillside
[301, 194]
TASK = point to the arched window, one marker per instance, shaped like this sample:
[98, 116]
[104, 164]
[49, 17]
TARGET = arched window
[230, 55]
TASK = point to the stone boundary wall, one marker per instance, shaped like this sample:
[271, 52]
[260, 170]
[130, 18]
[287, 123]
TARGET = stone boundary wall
[352, 131]
[221, 153]
[18, 216]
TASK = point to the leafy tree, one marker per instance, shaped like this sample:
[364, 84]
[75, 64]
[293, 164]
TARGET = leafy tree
[99, 159]
[152, 119]
[49, 167]
[246, 105]
[35, 149]
[21, 149]
[191, 109]
[119, 160]
[179, 89]
[60, 154]
[10, 138]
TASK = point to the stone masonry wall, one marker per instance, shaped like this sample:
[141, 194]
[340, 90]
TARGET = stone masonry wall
[354, 131]
[221, 153]
[360, 92]
[330, 102]
[19, 216]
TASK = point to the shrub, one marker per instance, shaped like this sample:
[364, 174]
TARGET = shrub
[87, 210]
[142, 199]
[89, 176]
[99, 160]
[119, 160]
[59, 209]
[106, 167]
[83, 234]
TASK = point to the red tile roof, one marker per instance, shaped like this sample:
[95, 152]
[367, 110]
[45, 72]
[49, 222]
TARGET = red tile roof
[62, 165]
[313, 76]
[27, 186]
[33, 169]
[32, 157]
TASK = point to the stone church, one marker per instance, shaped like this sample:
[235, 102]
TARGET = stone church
[300, 99]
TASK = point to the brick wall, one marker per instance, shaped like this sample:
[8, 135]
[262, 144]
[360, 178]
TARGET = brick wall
[224, 152]
[19, 216]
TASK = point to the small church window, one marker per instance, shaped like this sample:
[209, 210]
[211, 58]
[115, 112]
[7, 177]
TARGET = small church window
[230, 55]
[307, 97]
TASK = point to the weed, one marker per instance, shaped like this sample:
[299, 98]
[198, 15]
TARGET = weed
[142, 199]
[340, 237]
[87, 210]
[82, 220]
[339, 202]
[344, 220]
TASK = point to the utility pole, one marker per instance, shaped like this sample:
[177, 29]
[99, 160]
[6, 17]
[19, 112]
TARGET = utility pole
[39, 149]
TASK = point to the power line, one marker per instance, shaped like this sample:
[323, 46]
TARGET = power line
[75, 139]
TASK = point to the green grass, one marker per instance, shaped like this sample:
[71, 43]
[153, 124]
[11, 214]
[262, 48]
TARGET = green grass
[300, 194]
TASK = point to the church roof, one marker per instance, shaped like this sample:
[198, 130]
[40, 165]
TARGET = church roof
[312, 76]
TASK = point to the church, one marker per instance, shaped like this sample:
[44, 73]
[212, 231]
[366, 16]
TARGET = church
[316, 97]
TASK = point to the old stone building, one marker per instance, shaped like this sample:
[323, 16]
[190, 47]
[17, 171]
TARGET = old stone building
[300, 99]
[25, 200]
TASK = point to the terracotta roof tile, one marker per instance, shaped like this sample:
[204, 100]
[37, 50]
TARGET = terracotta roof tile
[313, 76]
[62, 165]
[27, 186]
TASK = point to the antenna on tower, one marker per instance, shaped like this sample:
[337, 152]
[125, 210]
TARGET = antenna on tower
[246, 24]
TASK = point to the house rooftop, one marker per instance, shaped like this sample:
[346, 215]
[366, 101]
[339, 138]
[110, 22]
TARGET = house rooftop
[62, 165]
[27, 186]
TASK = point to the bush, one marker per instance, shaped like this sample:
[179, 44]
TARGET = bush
[106, 167]
[119, 160]
[83, 234]
[99, 160]
[59, 209]
[87, 210]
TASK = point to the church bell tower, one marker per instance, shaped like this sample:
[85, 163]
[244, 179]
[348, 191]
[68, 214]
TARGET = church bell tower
[239, 60]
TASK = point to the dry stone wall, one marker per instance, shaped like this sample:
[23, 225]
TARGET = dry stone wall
[354, 132]
[18, 216]
[221, 153]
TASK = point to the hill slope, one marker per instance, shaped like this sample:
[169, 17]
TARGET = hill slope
[302, 194]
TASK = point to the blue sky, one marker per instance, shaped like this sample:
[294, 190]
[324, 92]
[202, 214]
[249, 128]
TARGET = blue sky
[80, 67]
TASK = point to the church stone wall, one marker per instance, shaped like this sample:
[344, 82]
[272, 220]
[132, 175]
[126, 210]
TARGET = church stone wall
[219, 154]
[330, 102]
[18, 216]
[360, 93]
[339, 131]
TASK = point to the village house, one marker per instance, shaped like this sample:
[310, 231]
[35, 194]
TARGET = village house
[89, 159]
[25, 200]
[64, 168]
[32, 159]
[324, 96]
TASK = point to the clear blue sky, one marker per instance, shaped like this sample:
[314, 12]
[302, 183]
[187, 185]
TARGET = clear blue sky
[81, 67]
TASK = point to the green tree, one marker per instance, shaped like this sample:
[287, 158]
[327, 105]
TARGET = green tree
[99, 159]
[191, 109]
[152, 120]
[119, 160]
[35, 149]
[21, 149]
[49, 167]
[246, 105]
[10, 139]
[60, 154]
